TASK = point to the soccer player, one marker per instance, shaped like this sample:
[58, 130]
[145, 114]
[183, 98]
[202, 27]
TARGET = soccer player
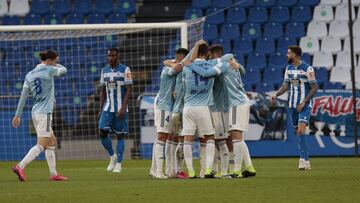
[303, 86]
[40, 83]
[116, 87]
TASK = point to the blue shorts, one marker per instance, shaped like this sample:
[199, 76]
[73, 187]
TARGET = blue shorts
[303, 116]
[110, 122]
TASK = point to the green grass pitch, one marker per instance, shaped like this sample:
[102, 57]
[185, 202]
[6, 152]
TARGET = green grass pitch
[330, 180]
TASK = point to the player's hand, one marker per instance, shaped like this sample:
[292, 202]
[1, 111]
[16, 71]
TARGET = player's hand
[186, 63]
[300, 107]
[16, 122]
[200, 42]
[273, 98]
[121, 113]
[178, 68]
[249, 95]
[234, 65]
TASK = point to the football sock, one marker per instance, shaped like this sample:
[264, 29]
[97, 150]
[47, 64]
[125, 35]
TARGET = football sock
[51, 160]
[210, 153]
[179, 157]
[245, 154]
[159, 155]
[303, 147]
[237, 155]
[188, 156]
[120, 149]
[172, 156]
[202, 159]
[168, 145]
[153, 165]
[31, 155]
[224, 157]
[106, 142]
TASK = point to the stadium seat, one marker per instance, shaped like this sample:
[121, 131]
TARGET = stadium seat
[126, 6]
[356, 44]
[105, 7]
[256, 61]
[258, 15]
[330, 2]
[75, 19]
[309, 45]
[295, 30]
[202, 4]
[284, 43]
[83, 7]
[265, 45]
[264, 87]
[265, 3]
[225, 43]
[301, 14]
[309, 2]
[323, 13]
[19, 7]
[342, 12]
[96, 18]
[230, 31]
[53, 19]
[62, 7]
[252, 77]
[32, 19]
[339, 29]
[317, 29]
[333, 86]
[306, 58]
[10, 20]
[322, 75]
[221, 3]
[274, 76]
[193, 13]
[251, 31]
[340, 74]
[273, 30]
[117, 18]
[243, 46]
[343, 59]
[245, 4]
[278, 60]
[356, 27]
[4, 8]
[288, 3]
[210, 32]
[236, 15]
[323, 59]
[280, 14]
[217, 18]
[41, 7]
[331, 44]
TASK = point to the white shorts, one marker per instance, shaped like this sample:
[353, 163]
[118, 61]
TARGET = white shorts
[163, 121]
[239, 117]
[197, 119]
[221, 124]
[42, 124]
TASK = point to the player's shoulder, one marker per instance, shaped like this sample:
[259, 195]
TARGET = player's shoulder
[307, 67]
[122, 67]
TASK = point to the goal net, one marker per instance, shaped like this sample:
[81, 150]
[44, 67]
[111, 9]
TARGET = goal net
[83, 50]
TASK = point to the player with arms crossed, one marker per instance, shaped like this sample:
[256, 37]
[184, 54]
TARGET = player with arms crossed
[303, 86]
[40, 83]
[116, 87]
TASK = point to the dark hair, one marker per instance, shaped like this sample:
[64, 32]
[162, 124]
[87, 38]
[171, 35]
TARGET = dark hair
[203, 50]
[114, 49]
[217, 48]
[296, 49]
[48, 54]
[182, 51]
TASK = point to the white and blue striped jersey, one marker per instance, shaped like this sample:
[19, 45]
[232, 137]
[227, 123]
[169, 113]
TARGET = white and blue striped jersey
[164, 98]
[180, 93]
[115, 79]
[299, 79]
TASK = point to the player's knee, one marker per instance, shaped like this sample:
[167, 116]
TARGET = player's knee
[103, 133]
[120, 136]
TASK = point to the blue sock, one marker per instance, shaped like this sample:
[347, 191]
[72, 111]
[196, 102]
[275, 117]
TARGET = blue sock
[120, 149]
[106, 142]
[303, 147]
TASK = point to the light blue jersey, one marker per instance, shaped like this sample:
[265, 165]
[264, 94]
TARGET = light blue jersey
[164, 98]
[180, 93]
[221, 95]
[40, 83]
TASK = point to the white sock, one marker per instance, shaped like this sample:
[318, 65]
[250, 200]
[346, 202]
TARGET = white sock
[224, 157]
[210, 153]
[188, 155]
[168, 157]
[202, 159]
[51, 160]
[237, 155]
[246, 154]
[215, 167]
[179, 157]
[172, 157]
[159, 155]
[31, 155]
[231, 161]
[153, 163]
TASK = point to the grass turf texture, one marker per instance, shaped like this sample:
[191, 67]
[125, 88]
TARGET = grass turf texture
[278, 180]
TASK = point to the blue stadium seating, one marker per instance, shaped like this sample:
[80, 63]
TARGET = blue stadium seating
[301, 14]
[288, 3]
[41, 7]
[295, 30]
[274, 76]
[333, 85]
[243, 46]
[221, 3]
[193, 13]
[10, 20]
[202, 4]
[32, 19]
[322, 75]
[245, 4]
[226, 44]
[278, 60]
[265, 3]
[117, 18]
[252, 77]
[284, 43]
[70, 115]
[251, 31]
[306, 57]
[258, 15]
[265, 45]
[264, 87]
[126, 6]
[239, 58]
[280, 14]
[105, 7]
[230, 31]
[83, 7]
[273, 30]
[309, 2]
[256, 61]
[210, 32]
[96, 18]
[62, 7]
[236, 15]
[75, 18]
[217, 18]
[53, 19]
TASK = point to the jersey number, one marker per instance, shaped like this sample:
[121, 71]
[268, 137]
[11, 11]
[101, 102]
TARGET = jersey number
[38, 88]
[199, 79]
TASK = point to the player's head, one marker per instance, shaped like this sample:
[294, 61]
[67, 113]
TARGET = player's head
[203, 51]
[216, 51]
[49, 56]
[113, 56]
[181, 54]
[294, 53]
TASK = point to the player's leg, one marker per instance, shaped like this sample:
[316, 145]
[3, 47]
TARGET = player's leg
[188, 131]
[231, 153]
[121, 130]
[221, 127]
[51, 160]
[294, 116]
[303, 121]
[169, 151]
[202, 156]
[105, 125]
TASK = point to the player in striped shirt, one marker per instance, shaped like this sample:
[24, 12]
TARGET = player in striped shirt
[300, 78]
[40, 84]
[116, 88]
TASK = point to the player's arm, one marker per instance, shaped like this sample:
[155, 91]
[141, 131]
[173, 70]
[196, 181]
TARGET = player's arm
[310, 74]
[128, 86]
[24, 95]
[102, 93]
[61, 70]
[195, 50]
[284, 87]
[210, 72]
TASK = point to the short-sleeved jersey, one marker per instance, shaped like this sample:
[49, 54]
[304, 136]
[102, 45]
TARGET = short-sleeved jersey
[180, 93]
[221, 95]
[299, 79]
[164, 98]
[235, 86]
[115, 79]
[40, 81]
